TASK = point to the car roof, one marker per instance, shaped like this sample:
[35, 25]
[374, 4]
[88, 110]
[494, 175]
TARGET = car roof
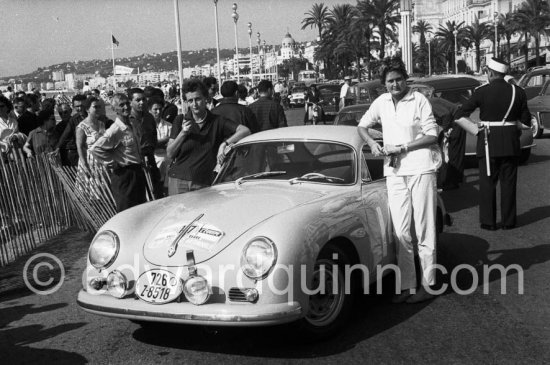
[440, 83]
[342, 134]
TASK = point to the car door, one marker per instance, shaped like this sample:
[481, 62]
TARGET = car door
[541, 105]
[374, 198]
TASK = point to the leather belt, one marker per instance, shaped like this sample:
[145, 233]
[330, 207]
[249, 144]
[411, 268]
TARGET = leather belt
[499, 124]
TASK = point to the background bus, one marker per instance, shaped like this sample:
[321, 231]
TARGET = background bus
[308, 77]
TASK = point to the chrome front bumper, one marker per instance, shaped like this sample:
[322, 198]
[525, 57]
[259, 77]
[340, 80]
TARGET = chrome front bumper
[216, 314]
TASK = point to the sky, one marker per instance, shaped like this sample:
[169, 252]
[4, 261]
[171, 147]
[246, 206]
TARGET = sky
[40, 33]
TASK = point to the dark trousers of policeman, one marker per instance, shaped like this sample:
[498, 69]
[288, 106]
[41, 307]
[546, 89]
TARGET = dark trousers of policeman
[128, 186]
[505, 170]
[154, 172]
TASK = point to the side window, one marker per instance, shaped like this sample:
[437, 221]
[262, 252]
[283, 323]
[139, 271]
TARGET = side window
[372, 167]
[547, 90]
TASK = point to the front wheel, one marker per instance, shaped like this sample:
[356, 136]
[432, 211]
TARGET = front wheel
[330, 308]
[536, 128]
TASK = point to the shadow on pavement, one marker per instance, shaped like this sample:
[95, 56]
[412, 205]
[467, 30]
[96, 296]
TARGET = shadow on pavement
[462, 249]
[17, 338]
[372, 314]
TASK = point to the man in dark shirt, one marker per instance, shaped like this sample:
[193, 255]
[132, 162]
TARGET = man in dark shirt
[25, 120]
[269, 113]
[146, 130]
[501, 108]
[198, 142]
[67, 141]
[230, 108]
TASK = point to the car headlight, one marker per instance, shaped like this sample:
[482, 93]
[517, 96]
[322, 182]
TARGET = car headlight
[104, 249]
[117, 284]
[196, 290]
[258, 257]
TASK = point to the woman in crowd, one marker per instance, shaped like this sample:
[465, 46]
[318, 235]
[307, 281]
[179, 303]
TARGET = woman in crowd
[43, 138]
[156, 106]
[9, 130]
[87, 132]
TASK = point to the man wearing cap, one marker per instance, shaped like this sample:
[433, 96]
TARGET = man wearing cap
[345, 93]
[502, 107]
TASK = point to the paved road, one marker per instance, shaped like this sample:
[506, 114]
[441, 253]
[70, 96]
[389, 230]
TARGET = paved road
[476, 328]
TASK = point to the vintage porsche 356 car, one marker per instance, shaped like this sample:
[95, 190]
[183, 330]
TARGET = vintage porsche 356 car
[269, 242]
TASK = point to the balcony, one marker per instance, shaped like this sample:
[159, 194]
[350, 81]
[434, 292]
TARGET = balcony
[478, 2]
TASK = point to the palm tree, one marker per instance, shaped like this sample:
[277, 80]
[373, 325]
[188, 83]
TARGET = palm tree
[475, 34]
[507, 27]
[339, 22]
[447, 38]
[386, 15]
[423, 28]
[317, 17]
[364, 21]
[532, 19]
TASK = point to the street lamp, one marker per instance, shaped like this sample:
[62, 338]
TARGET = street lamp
[265, 58]
[496, 33]
[455, 33]
[218, 45]
[250, 44]
[235, 17]
[405, 37]
[429, 41]
[259, 55]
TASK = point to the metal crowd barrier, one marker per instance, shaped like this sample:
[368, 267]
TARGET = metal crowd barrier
[33, 205]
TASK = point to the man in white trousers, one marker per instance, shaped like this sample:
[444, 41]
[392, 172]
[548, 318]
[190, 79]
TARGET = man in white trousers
[409, 129]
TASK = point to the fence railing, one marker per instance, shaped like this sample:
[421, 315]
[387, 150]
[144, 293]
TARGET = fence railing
[33, 205]
[39, 198]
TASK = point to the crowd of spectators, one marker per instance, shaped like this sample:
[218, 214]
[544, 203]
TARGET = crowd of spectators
[153, 140]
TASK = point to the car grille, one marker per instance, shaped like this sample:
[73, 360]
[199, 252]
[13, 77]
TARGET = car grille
[237, 295]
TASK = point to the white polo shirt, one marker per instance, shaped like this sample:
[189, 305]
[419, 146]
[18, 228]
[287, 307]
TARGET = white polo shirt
[408, 120]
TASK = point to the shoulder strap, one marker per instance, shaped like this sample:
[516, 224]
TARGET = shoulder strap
[511, 104]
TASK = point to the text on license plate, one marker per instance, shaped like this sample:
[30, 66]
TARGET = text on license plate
[158, 286]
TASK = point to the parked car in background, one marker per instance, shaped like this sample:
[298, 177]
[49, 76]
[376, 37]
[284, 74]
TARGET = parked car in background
[297, 96]
[330, 97]
[534, 79]
[452, 88]
[268, 243]
[539, 106]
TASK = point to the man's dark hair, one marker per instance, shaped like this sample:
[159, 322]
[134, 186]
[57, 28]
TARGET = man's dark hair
[9, 88]
[264, 86]
[30, 100]
[209, 81]
[155, 100]
[151, 91]
[44, 115]
[19, 99]
[6, 102]
[48, 104]
[389, 64]
[79, 97]
[194, 85]
[229, 88]
[243, 91]
[96, 91]
[134, 90]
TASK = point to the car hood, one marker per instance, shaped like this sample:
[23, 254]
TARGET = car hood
[222, 214]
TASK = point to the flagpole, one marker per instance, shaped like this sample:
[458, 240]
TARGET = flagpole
[113, 56]
[178, 39]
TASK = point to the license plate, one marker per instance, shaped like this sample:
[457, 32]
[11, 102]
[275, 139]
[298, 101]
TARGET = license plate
[158, 286]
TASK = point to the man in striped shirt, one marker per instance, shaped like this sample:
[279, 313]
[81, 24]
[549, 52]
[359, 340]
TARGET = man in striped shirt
[198, 141]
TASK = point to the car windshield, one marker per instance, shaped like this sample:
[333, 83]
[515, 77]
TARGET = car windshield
[332, 163]
[298, 90]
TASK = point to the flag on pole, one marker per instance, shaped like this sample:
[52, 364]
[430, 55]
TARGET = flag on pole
[115, 42]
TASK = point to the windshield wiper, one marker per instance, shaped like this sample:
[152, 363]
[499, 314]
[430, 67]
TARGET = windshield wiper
[258, 175]
[315, 176]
